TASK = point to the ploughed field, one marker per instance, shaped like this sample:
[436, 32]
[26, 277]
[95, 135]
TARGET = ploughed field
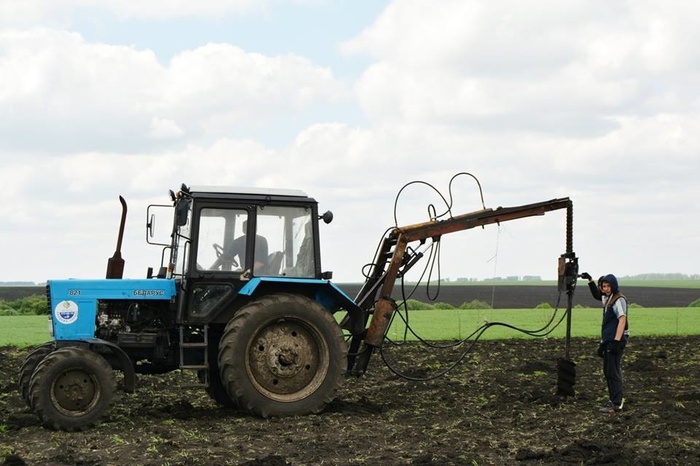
[498, 296]
[498, 406]
[529, 296]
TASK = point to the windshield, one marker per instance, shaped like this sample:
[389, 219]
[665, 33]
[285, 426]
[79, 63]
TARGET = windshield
[222, 243]
[278, 243]
[289, 234]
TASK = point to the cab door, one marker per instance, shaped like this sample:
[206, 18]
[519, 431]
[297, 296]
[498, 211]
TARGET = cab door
[217, 262]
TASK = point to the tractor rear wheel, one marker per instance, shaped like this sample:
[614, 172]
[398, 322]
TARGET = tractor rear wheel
[72, 388]
[33, 358]
[218, 393]
[215, 388]
[282, 355]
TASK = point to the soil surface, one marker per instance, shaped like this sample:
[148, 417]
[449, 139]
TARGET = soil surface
[498, 406]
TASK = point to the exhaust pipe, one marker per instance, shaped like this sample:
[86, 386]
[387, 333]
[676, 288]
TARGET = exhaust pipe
[115, 264]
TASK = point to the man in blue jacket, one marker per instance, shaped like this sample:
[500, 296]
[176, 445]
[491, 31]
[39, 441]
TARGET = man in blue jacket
[614, 335]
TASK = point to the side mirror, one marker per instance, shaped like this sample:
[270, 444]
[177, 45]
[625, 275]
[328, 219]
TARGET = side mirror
[182, 210]
[160, 238]
[151, 226]
[327, 217]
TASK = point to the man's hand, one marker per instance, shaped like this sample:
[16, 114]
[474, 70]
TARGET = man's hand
[614, 347]
[601, 349]
[586, 275]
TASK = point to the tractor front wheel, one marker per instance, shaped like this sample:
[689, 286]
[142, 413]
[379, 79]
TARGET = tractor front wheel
[282, 355]
[33, 358]
[72, 388]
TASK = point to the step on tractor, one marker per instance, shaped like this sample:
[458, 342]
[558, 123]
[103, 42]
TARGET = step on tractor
[240, 298]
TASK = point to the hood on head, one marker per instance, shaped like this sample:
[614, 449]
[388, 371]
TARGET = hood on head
[610, 278]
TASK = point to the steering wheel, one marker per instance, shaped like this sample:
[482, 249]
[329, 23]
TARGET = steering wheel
[221, 259]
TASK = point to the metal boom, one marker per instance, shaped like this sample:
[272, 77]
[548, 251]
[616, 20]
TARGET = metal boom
[394, 258]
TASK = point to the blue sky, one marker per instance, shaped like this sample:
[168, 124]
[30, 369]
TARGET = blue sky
[315, 29]
[349, 101]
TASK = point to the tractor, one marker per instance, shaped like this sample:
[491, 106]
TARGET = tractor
[240, 298]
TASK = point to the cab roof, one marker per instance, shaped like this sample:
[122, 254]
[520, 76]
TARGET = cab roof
[248, 190]
[230, 193]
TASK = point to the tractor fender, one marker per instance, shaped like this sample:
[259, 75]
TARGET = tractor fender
[326, 293]
[125, 363]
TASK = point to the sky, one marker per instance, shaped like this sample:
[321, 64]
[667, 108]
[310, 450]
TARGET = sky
[351, 101]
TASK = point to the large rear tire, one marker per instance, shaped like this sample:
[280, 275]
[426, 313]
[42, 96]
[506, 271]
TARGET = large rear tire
[72, 388]
[217, 391]
[33, 358]
[215, 388]
[282, 355]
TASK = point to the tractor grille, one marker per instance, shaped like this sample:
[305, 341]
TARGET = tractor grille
[49, 308]
[48, 299]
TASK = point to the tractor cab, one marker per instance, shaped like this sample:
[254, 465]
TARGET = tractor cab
[222, 238]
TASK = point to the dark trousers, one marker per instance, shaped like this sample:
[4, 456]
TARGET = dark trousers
[612, 369]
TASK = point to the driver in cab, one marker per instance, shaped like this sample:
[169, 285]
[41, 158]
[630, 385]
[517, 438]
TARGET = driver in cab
[235, 252]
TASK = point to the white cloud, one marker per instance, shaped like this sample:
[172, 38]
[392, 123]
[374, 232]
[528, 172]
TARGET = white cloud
[74, 94]
[164, 128]
[544, 66]
[91, 96]
[592, 100]
[219, 85]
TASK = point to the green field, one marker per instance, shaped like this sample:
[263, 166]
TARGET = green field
[585, 322]
[451, 324]
[24, 330]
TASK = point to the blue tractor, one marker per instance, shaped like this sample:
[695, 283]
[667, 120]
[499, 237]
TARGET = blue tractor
[240, 298]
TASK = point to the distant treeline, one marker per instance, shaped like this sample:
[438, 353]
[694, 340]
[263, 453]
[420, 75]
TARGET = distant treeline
[29, 305]
[526, 278]
[537, 278]
[662, 276]
[21, 284]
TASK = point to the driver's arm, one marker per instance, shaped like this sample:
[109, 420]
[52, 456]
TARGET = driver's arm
[261, 251]
[237, 249]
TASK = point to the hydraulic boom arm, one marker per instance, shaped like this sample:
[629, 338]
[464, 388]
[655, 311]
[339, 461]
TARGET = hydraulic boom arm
[395, 257]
